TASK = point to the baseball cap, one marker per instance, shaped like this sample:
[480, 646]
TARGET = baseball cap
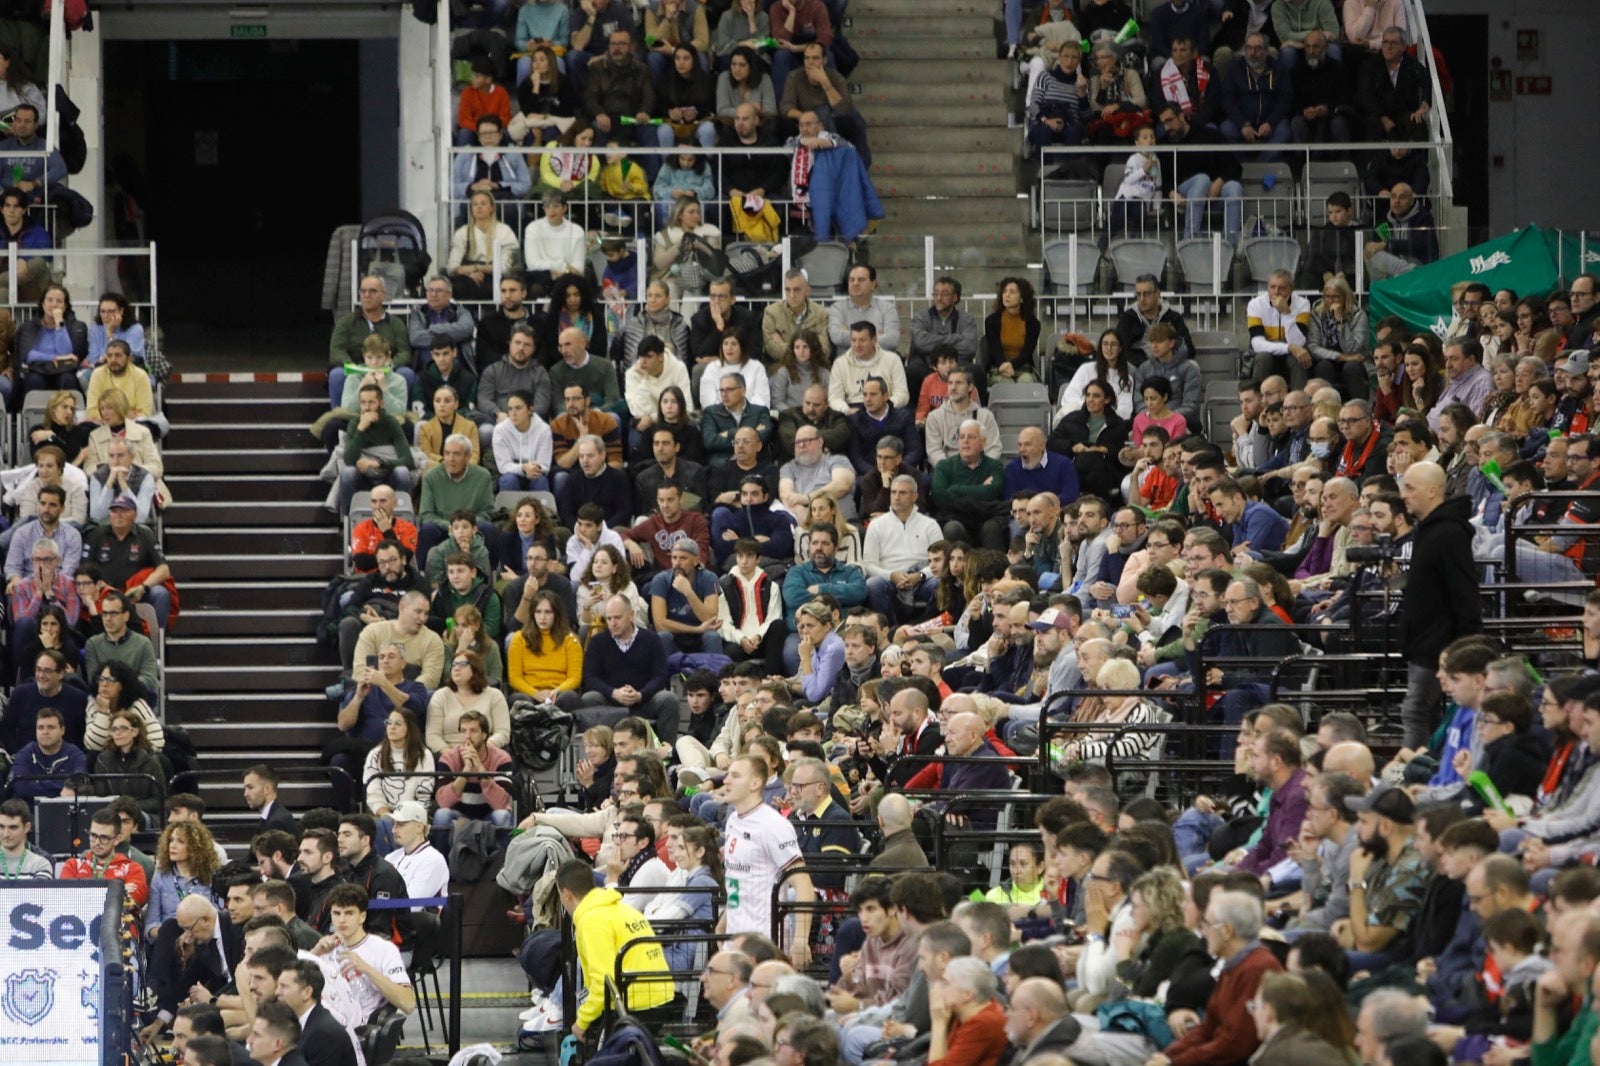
[1052, 618]
[1392, 803]
[409, 811]
[687, 544]
[125, 502]
[1574, 362]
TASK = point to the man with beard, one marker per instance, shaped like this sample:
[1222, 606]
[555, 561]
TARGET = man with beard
[1275, 764]
[1388, 876]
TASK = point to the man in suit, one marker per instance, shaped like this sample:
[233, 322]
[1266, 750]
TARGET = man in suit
[275, 1036]
[197, 946]
[261, 794]
[199, 1021]
[323, 1040]
[1038, 1022]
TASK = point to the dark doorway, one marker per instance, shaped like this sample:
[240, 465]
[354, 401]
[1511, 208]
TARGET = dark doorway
[1464, 41]
[251, 157]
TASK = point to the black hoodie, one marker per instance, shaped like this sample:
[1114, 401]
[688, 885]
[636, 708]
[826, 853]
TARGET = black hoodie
[1441, 601]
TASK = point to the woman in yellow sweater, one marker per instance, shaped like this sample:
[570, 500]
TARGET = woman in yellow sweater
[545, 659]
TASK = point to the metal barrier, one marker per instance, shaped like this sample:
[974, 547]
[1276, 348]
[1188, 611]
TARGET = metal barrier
[450, 918]
[440, 776]
[109, 253]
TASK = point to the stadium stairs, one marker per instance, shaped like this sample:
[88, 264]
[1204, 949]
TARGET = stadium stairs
[252, 548]
[934, 97]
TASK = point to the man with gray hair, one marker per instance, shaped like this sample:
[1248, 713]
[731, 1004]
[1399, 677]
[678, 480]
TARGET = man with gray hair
[894, 555]
[942, 323]
[437, 320]
[967, 490]
[48, 584]
[453, 485]
[815, 472]
[796, 313]
[351, 332]
[1225, 1033]
[595, 481]
[1279, 322]
[1394, 95]
[1365, 449]
[1388, 1014]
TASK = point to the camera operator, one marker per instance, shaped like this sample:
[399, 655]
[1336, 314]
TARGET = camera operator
[1441, 599]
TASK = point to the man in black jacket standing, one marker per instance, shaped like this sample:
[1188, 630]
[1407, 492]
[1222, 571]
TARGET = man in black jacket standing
[1441, 600]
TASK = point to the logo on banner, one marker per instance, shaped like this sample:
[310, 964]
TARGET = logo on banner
[1482, 264]
[29, 996]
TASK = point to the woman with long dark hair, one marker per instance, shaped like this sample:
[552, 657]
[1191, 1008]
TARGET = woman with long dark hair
[401, 751]
[117, 689]
[1011, 333]
[545, 658]
[1110, 367]
[572, 306]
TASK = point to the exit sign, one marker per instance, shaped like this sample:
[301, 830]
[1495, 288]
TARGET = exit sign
[1534, 85]
[248, 30]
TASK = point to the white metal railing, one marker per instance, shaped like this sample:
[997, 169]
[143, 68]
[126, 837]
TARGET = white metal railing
[145, 310]
[1438, 114]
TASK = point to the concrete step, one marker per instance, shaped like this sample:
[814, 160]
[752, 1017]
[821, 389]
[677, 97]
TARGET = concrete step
[307, 460]
[928, 162]
[258, 736]
[208, 649]
[274, 434]
[232, 390]
[258, 567]
[918, 15]
[252, 488]
[900, 69]
[227, 540]
[879, 98]
[184, 410]
[891, 187]
[931, 214]
[229, 678]
[951, 117]
[193, 513]
[253, 710]
[878, 47]
[972, 27]
[885, 139]
[299, 620]
[253, 595]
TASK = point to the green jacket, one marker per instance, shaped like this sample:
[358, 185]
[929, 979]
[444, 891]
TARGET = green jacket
[443, 496]
[386, 430]
[446, 601]
[958, 487]
[1571, 1048]
[1291, 21]
[598, 377]
[353, 329]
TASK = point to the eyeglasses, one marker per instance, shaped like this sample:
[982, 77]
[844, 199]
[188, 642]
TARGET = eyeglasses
[724, 973]
[101, 838]
[460, 662]
[1356, 421]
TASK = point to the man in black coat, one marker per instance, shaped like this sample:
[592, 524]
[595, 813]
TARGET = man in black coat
[323, 1040]
[261, 794]
[1441, 600]
[1393, 92]
[1038, 1021]
[198, 946]
[275, 1036]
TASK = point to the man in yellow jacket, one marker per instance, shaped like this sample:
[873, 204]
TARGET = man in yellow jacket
[601, 925]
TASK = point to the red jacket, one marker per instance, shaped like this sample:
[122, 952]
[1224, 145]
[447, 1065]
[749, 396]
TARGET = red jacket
[365, 537]
[978, 1041]
[1227, 1034]
[121, 868]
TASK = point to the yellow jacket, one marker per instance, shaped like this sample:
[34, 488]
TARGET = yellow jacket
[601, 924]
[560, 668]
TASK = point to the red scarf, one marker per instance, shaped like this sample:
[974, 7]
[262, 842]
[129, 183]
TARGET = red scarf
[1351, 467]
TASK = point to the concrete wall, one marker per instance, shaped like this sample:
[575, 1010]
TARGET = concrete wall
[1543, 155]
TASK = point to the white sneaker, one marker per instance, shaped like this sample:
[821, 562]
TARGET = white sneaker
[539, 1001]
[548, 1021]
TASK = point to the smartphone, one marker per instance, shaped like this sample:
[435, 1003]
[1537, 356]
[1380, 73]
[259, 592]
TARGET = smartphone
[1122, 610]
[372, 662]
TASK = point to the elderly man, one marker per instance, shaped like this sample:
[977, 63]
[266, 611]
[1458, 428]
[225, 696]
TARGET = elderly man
[724, 478]
[1038, 1021]
[815, 472]
[597, 374]
[862, 304]
[721, 421]
[130, 558]
[1036, 470]
[352, 330]
[725, 984]
[47, 585]
[787, 318]
[382, 524]
[943, 425]
[867, 359]
[1394, 96]
[1413, 237]
[1320, 111]
[895, 554]
[198, 946]
[1225, 1033]
[1268, 643]
[595, 481]
[439, 318]
[453, 486]
[1389, 1014]
[966, 492]
[1278, 321]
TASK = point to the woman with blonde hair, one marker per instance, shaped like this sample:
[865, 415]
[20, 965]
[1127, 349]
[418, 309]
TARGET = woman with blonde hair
[114, 422]
[478, 245]
[1337, 338]
[681, 249]
[1119, 675]
[1150, 947]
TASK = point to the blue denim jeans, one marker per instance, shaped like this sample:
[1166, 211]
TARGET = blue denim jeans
[1197, 192]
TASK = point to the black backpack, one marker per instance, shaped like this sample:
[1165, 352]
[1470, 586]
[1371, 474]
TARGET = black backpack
[540, 734]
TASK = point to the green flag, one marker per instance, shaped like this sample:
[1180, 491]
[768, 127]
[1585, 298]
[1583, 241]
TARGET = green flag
[1523, 261]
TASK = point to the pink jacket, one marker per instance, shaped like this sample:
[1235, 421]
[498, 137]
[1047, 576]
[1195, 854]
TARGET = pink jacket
[493, 791]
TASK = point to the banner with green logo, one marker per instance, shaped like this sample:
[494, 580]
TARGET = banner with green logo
[1524, 261]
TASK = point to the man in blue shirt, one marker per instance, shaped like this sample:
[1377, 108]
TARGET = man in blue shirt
[683, 603]
[1253, 523]
[30, 174]
[26, 235]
